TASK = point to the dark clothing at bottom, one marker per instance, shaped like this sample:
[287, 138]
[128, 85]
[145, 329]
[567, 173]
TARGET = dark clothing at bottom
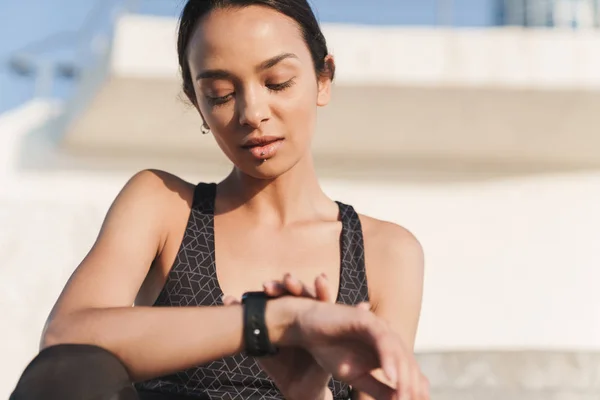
[80, 372]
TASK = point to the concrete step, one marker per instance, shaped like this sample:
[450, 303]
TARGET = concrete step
[514, 375]
[505, 394]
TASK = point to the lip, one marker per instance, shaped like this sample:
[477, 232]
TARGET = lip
[260, 141]
[263, 147]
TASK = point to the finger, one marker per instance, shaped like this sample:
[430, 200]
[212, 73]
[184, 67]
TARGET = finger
[373, 387]
[424, 388]
[274, 289]
[365, 306]
[405, 382]
[322, 289]
[229, 300]
[297, 288]
[289, 286]
[384, 342]
[416, 383]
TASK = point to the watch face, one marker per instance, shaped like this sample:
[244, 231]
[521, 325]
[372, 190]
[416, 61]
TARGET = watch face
[253, 294]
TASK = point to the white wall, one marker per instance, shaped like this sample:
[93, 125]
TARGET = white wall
[508, 57]
[511, 263]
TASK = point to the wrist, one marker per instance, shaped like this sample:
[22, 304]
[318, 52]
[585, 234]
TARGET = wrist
[324, 394]
[281, 317]
[327, 394]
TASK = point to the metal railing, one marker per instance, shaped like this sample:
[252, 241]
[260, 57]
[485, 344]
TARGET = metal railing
[90, 46]
[551, 13]
[87, 44]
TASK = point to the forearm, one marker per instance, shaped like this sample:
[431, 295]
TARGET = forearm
[326, 394]
[156, 341]
[380, 376]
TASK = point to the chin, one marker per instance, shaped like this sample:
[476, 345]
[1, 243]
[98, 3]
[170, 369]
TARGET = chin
[267, 170]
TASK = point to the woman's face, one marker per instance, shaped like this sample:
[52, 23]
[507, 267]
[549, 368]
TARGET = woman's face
[256, 87]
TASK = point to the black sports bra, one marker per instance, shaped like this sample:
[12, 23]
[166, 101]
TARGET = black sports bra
[192, 281]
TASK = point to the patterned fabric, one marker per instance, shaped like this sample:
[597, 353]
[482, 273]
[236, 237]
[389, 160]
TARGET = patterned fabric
[193, 282]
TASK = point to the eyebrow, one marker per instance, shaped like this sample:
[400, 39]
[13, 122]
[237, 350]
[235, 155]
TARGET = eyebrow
[223, 74]
[271, 62]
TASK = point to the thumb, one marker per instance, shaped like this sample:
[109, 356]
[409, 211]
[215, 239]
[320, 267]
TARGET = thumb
[230, 300]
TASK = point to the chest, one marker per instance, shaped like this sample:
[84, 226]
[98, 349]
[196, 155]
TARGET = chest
[214, 255]
[246, 256]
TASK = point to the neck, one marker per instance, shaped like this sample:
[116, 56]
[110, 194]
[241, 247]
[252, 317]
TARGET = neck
[291, 197]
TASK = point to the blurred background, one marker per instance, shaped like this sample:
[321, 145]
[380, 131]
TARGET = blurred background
[474, 123]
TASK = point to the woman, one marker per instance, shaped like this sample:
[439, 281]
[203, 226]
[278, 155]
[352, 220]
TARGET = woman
[256, 71]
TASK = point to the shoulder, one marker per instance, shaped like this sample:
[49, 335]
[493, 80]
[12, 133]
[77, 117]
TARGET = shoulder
[388, 242]
[149, 197]
[157, 185]
[394, 259]
[147, 209]
[155, 191]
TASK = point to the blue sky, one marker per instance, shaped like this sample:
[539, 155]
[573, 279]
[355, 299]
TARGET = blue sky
[48, 28]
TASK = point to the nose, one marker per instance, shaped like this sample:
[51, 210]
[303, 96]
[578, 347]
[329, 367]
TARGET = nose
[253, 108]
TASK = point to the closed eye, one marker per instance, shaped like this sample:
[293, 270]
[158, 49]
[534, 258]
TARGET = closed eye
[278, 87]
[272, 87]
[216, 101]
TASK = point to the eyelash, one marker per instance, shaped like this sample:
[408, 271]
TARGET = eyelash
[278, 87]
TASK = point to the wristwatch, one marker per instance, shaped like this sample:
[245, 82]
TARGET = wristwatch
[256, 334]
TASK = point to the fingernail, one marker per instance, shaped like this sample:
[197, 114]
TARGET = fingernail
[390, 371]
[324, 276]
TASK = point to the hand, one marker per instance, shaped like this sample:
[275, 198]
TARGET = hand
[293, 369]
[351, 343]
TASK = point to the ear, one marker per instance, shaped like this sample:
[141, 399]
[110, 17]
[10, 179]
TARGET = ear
[324, 81]
[202, 116]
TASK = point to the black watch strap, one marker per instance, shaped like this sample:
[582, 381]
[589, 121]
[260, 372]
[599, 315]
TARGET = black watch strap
[256, 334]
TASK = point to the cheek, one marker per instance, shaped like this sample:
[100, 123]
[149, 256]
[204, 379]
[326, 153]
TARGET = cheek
[228, 147]
[298, 109]
[218, 118]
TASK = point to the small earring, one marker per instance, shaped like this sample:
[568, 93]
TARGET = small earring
[205, 129]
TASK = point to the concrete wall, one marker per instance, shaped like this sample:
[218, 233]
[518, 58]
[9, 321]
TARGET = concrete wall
[367, 55]
[511, 98]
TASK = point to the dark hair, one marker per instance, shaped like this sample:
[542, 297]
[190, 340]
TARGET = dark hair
[299, 10]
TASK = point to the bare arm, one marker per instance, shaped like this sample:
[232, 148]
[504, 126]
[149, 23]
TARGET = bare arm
[395, 275]
[96, 304]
